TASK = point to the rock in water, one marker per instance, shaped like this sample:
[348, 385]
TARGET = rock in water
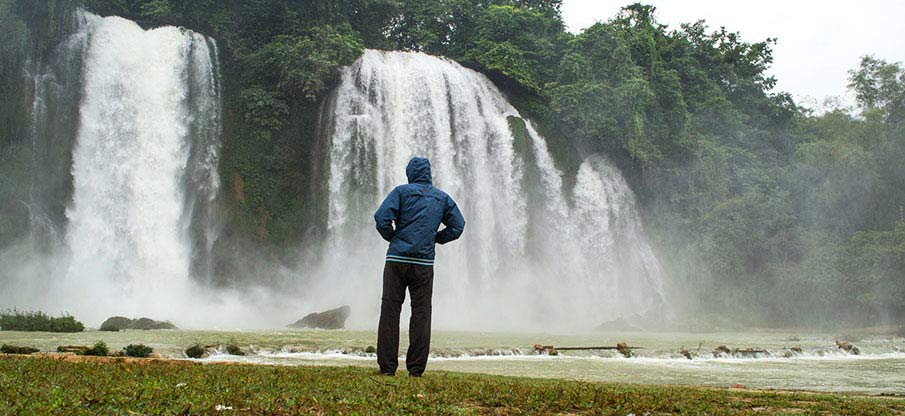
[332, 319]
[848, 347]
[147, 323]
[116, 323]
[119, 323]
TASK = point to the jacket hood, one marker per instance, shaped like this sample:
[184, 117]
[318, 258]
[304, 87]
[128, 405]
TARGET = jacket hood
[419, 171]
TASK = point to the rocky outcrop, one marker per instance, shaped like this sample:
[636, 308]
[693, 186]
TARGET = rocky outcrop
[119, 323]
[332, 319]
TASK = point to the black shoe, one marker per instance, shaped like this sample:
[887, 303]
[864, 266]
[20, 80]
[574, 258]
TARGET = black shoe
[415, 375]
[387, 374]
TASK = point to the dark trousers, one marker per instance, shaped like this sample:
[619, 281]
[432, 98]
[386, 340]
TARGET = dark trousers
[420, 282]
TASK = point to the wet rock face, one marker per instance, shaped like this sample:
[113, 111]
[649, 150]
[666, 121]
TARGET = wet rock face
[332, 319]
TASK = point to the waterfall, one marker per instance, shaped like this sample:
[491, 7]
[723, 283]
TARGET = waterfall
[133, 117]
[535, 253]
[57, 86]
[142, 218]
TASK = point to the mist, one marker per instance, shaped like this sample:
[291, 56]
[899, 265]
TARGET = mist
[151, 176]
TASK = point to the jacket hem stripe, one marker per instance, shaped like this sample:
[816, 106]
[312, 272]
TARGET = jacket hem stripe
[401, 259]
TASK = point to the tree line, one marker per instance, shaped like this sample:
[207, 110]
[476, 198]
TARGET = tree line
[760, 209]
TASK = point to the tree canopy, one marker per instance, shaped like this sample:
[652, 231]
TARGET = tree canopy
[753, 202]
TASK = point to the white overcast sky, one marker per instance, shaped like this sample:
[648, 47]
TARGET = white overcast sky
[818, 41]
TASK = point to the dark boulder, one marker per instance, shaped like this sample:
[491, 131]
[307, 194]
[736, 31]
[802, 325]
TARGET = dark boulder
[196, 351]
[332, 319]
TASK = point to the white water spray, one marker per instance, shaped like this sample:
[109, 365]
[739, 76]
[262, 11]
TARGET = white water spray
[532, 256]
[143, 167]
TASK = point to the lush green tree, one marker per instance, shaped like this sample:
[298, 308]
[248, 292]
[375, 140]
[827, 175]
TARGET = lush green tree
[880, 85]
[761, 207]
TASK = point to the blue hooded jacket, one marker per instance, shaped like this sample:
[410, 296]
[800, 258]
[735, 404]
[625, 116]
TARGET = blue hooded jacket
[417, 209]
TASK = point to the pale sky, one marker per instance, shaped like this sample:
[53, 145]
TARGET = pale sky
[818, 41]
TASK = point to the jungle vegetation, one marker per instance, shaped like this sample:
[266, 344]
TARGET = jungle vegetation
[772, 212]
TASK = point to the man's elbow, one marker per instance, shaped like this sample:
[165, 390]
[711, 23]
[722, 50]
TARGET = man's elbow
[452, 233]
[457, 231]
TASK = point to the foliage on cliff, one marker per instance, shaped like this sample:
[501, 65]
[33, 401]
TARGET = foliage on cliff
[754, 203]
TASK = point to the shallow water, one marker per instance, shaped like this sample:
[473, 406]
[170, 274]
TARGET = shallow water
[819, 366]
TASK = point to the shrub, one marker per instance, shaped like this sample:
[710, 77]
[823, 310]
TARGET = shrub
[13, 320]
[138, 350]
[195, 351]
[99, 349]
[12, 349]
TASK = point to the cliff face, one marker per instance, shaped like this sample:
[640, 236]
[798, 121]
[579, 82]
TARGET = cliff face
[34, 180]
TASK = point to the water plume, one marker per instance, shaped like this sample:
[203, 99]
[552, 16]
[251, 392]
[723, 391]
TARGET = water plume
[535, 254]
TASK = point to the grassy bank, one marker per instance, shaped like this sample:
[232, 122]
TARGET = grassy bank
[82, 385]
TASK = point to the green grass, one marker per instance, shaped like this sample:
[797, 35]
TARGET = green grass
[117, 386]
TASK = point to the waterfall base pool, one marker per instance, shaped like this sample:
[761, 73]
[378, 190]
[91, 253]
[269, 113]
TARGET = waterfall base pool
[798, 361]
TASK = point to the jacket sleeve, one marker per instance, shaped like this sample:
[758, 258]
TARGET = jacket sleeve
[387, 214]
[454, 222]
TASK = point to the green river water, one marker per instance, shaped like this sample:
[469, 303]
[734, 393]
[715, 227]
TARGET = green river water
[820, 366]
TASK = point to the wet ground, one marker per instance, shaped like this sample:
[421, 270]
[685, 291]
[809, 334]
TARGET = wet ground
[768, 359]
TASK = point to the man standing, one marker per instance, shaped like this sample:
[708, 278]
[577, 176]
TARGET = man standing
[416, 209]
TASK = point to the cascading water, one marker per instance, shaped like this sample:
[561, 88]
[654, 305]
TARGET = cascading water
[57, 87]
[532, 256]
[142, 216]
[140, 198]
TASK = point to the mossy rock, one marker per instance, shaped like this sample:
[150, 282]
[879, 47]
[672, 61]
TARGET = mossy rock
[195, 351]
[147, 324]
[116, 323]
[233, 349]
[99, 349]
[332, 319]
[119, 323]
[73, 349]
